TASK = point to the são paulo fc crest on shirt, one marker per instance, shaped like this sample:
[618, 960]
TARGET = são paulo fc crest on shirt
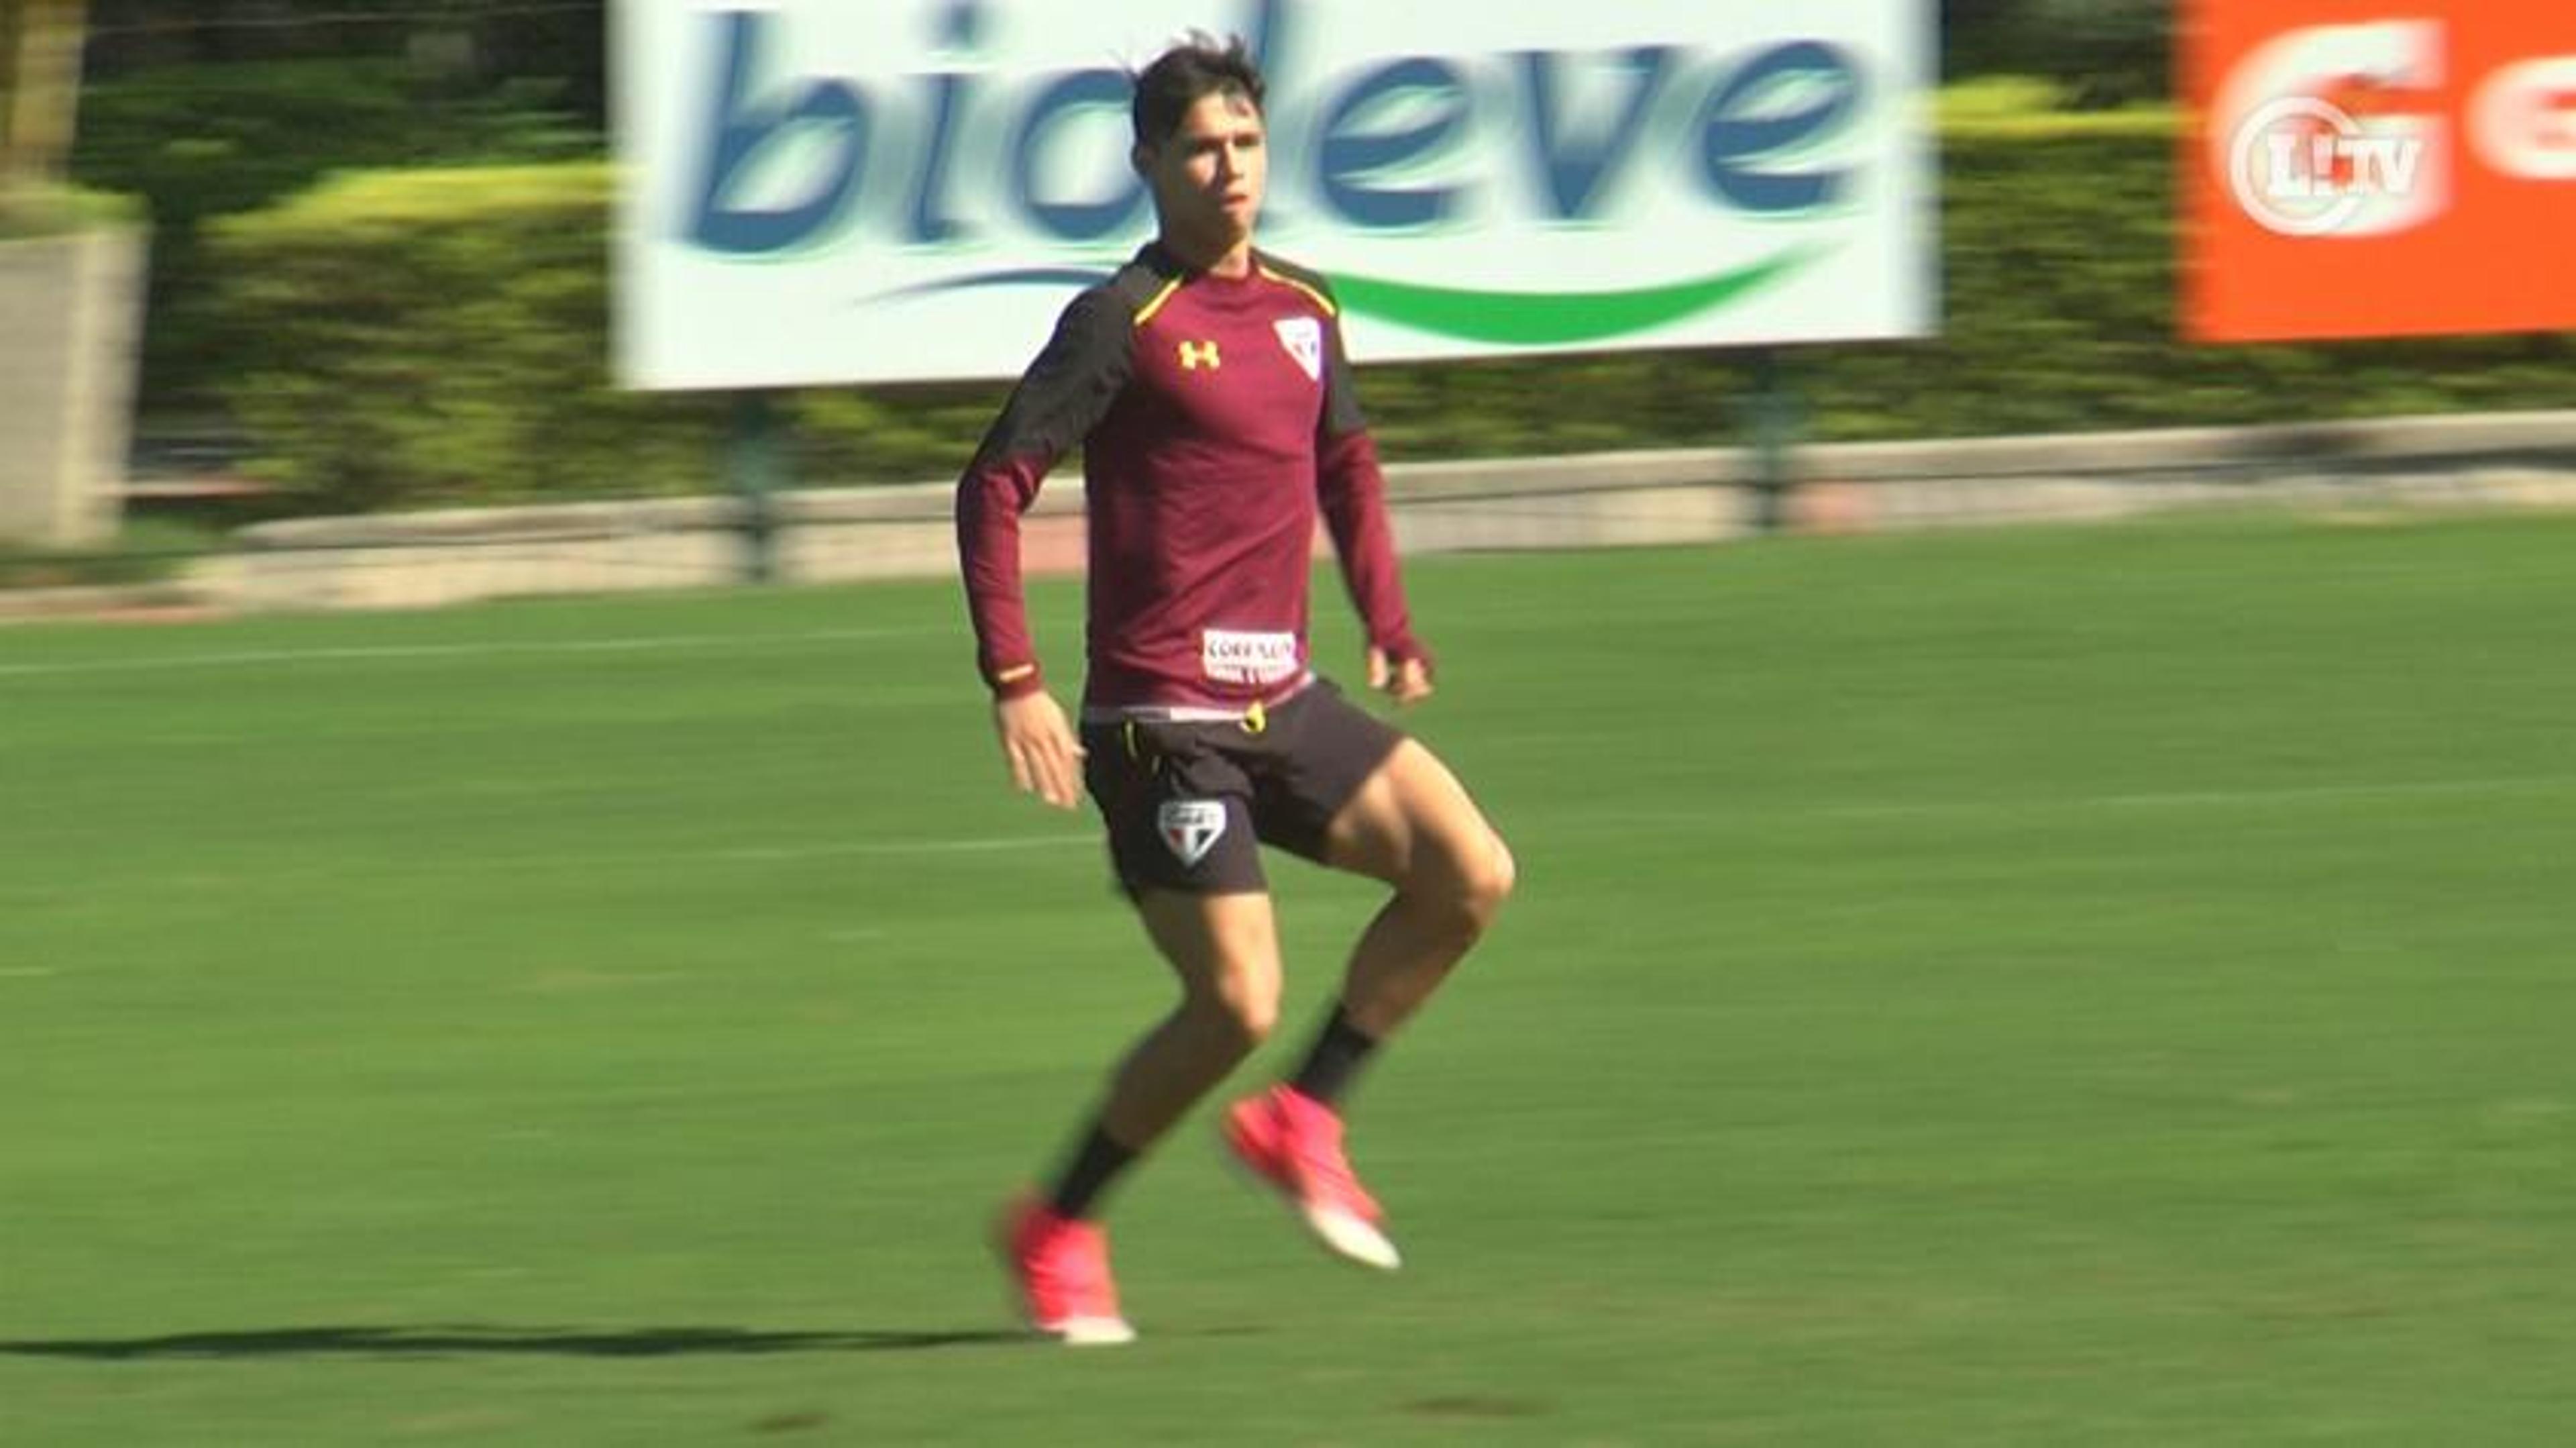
[1304, 339]
[1190, 828]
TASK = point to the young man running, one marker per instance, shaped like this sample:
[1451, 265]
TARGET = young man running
[1207, 386]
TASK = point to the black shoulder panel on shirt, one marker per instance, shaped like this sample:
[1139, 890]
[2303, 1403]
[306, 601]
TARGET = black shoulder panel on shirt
[1144, 281]
[1070, 386]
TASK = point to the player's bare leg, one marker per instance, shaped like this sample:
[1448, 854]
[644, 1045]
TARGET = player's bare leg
[1225, 950]
[1414, 827]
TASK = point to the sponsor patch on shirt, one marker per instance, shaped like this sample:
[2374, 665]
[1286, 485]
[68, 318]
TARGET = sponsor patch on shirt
[1232, 656]
[1304, 339]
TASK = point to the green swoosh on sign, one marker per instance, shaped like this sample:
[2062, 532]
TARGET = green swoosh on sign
[1541, 319]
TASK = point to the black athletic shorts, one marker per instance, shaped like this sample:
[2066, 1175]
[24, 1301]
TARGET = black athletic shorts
[1189, 804]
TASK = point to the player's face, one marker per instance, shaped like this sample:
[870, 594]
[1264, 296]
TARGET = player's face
[1208, 175]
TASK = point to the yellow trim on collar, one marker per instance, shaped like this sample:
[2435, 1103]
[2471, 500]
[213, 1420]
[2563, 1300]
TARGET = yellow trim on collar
[1283, 279]
[1146, 313]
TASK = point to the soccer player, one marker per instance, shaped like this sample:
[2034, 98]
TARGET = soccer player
[1207, 386]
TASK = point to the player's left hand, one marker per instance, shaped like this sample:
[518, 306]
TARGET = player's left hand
[1406, 681]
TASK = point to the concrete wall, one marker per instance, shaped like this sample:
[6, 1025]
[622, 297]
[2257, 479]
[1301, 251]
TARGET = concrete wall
[71, 311]
[1605, 500]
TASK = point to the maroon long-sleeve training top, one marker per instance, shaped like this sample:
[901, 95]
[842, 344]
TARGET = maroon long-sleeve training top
[1217, 417]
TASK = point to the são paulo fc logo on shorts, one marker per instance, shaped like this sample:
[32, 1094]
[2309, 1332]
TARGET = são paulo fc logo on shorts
[1190, 828]
[1304, 339]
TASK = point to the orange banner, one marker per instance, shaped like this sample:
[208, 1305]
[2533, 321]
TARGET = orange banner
[2379, 168]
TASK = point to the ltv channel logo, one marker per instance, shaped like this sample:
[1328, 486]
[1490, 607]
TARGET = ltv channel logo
[2343, 131]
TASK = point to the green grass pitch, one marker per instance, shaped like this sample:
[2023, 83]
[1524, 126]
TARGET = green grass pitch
[2032, 988]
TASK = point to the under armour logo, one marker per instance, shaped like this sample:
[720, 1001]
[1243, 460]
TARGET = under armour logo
[1195, 355]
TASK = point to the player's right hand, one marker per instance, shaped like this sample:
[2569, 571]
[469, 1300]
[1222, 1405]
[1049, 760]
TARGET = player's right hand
[1044, 755]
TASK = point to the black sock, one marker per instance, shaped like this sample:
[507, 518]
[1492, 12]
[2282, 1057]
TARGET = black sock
[1097, 1161]
[1338, 1054]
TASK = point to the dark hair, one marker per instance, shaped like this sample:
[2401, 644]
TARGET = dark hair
[1182, 76]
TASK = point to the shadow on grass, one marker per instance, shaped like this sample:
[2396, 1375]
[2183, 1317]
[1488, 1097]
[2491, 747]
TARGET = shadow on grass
[478, 1340]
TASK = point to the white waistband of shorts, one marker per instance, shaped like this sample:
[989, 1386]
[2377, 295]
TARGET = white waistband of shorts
[1189, 713]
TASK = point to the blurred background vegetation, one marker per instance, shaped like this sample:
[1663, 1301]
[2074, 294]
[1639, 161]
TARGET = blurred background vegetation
[380, 273]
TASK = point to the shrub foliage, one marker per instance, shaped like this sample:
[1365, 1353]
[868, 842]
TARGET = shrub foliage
[419, 337]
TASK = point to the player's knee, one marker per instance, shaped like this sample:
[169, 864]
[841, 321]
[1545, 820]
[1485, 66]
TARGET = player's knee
[1470, 885]
[1242, 1010]
[1253, 1014]
[1502, 874]
[1487, 880]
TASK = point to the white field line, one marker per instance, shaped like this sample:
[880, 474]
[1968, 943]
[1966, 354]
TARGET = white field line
[1624, 823]
[827, 850]
[373, 866]
[2212, 798]
[723, 855]
[493, 648]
